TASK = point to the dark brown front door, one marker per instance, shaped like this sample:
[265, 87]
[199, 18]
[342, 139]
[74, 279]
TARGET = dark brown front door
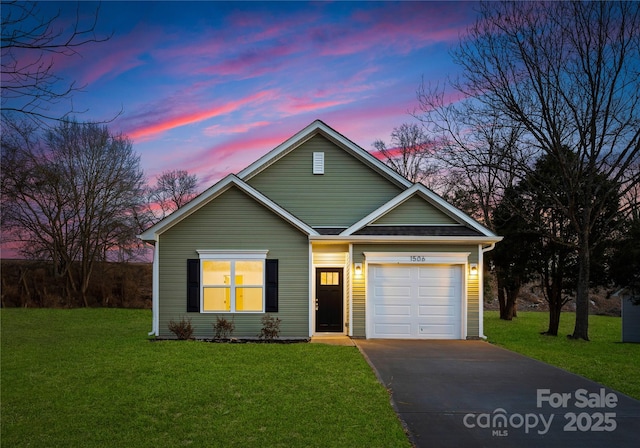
[329, 306]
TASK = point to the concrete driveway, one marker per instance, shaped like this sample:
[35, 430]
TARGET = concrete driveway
[474, 394]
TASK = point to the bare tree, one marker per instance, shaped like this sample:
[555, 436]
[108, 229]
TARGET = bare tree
[70, 196]
[567, 74]
[410, 154]
[173, 189]
[30, 43]
[474, 146]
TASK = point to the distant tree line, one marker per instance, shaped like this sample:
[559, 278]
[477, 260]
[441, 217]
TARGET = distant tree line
[72, 193]
[543, 148]
[75, 194]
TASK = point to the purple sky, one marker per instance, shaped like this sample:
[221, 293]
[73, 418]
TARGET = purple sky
[211, 86]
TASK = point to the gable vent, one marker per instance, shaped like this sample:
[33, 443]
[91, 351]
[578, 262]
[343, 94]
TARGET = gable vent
[318, 163]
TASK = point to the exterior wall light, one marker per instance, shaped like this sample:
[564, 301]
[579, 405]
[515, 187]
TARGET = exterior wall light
[358, 269]
[473, 269]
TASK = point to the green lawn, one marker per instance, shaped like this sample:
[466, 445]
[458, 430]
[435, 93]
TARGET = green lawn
[603, 359]
[90, 377]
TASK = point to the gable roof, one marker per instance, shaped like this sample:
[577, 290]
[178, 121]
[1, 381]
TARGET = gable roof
[467, 229]
[418, 189]
[315, 128]
[213, 192]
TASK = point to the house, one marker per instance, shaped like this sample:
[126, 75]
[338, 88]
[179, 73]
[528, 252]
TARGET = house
[323, 235]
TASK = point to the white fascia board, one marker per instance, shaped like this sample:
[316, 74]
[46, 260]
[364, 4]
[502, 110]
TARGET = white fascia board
[435, 200]
[213, 192]
[406, 239]
[305, 134]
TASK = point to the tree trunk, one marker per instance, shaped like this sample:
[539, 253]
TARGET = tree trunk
[510, 309]
[553, 295]
[555, 308]
[502, 300]
[581, 329]
[507, 295]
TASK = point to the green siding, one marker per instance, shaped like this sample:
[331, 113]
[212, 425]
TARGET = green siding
[358, 297]
[415, 210]
[235, 221]
[348, 191]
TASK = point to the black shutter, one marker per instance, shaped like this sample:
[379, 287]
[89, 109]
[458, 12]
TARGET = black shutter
[271, 283]
[193, 285]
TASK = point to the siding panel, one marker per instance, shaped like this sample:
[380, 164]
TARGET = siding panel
[235, 221]
[347, 191]
[416, 211]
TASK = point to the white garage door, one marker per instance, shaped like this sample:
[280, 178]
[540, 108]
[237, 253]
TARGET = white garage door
[414, 301]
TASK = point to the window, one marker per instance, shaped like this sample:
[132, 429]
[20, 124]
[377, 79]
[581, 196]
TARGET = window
[330, 278]
[233, 282]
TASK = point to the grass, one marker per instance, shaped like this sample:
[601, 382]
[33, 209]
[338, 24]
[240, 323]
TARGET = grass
[603, 359]
[90, 377]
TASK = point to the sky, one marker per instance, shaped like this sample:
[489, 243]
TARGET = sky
[209, 87]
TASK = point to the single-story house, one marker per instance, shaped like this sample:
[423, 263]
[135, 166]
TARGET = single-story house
[326, 237]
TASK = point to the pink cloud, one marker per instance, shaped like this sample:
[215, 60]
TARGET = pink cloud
[167, 123]
[303, 105]
[218, 129]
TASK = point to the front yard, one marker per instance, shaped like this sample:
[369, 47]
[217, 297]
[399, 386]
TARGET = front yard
[604, 359]
[90, 377]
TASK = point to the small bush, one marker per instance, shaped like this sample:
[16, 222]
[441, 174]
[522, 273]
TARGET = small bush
[223, 328]
[270, 327]
[182, 329]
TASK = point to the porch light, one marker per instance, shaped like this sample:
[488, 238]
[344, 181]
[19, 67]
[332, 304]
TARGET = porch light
[473, 269]
[358, 269]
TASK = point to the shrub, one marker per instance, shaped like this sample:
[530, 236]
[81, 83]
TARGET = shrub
[270, 327]
[182, 329]
[223, 328]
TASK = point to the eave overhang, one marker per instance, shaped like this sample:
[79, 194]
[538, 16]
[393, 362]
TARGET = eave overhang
[405, 239]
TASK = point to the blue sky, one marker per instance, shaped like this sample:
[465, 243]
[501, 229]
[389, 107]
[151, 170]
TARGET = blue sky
[211, 86]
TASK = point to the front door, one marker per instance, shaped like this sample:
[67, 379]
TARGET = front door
[329, 306]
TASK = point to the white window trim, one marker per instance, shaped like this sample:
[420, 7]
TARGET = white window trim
[216, 254]
[232, 256]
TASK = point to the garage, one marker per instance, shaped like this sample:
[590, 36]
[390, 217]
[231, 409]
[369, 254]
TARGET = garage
[414, 301]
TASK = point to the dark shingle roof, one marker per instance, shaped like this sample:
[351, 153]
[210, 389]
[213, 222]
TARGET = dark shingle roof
[330, 230]
[418, 231]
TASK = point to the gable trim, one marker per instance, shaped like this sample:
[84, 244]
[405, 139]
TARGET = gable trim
[213, 192]
[319, 127]
[430, 197]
